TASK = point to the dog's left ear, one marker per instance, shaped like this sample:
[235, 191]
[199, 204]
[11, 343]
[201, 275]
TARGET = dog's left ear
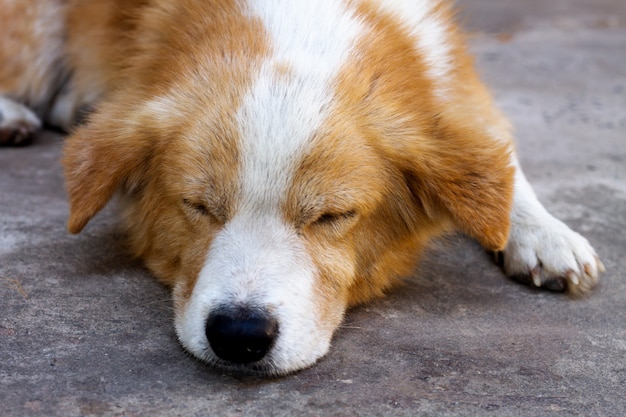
[98, 158]
[468, 177]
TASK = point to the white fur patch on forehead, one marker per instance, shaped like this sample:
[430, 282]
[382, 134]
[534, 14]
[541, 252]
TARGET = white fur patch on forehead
[309, 43]
[424, 22]
[313, 37]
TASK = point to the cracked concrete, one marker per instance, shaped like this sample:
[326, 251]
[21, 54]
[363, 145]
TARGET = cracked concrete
[85, 331]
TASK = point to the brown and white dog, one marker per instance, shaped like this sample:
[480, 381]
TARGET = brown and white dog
[278, 161]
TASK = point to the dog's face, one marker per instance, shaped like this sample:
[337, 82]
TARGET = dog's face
[273, 181]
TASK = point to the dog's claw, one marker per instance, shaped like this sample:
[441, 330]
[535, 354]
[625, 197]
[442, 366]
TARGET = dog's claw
[576, 281]
[535, 274]
[552, 257]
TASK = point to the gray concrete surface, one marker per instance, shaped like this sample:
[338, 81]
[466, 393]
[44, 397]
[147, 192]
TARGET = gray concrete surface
[85, 331]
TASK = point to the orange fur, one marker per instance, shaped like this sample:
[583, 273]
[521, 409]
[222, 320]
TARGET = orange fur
[25, 39]
[392, 168]
[160, 157]
[132, 53]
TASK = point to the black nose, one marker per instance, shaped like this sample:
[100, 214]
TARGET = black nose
[241, 336]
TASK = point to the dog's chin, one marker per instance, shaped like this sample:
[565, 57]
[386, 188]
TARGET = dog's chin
[265, 368]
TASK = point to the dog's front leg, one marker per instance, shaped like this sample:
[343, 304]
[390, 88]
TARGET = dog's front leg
[543, 251]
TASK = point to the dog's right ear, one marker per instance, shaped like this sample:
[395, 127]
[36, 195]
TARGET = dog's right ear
[98, 158]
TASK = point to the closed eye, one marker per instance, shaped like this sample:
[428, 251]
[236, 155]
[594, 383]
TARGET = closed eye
[333, 218]
[197, 207]
[334, 224]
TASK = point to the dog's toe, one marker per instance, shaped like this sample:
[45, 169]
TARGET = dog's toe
[551, 256]
[536, 278]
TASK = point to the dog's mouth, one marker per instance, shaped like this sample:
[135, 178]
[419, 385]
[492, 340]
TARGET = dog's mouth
[252, 341]
[264, 368]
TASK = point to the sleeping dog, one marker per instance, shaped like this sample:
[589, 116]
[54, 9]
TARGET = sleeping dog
[277, 161]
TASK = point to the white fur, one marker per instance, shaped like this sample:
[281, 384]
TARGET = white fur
[14, 115]
[543, 246]
[47, 70]
[282, 111]
[45, 86]
[57, 108]
[258, 260]
[421, 21]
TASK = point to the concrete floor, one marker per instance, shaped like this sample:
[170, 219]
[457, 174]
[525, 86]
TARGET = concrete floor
[85, 331]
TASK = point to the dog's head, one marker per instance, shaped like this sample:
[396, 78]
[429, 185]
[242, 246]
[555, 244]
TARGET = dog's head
[274, 173]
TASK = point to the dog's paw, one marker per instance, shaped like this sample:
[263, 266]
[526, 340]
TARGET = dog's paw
[18, 123]
[549, 255]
